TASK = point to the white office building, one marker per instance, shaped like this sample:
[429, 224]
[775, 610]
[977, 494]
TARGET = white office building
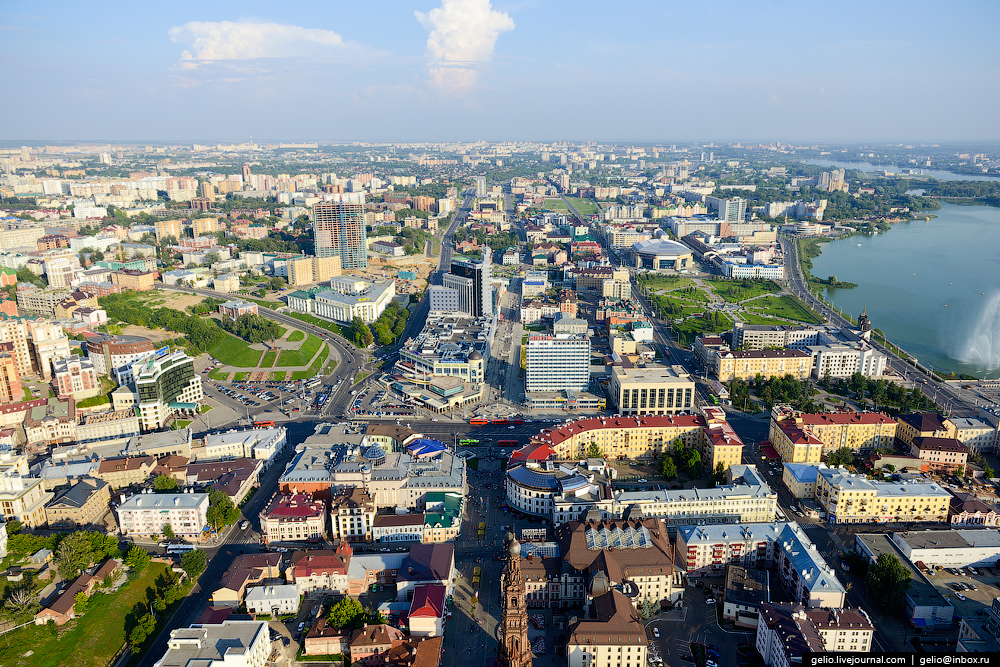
[146, 514]
[262, 444]
[352, 297]
[443, 299]
[227, 644]
[557, 363]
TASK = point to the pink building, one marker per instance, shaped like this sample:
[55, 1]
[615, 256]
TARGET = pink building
[76, 377]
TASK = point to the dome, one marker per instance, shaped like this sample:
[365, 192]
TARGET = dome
[475, 356]
[513, 546]
[660, 246]
[599, 584]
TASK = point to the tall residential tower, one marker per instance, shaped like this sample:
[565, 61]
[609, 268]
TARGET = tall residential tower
[339, 230]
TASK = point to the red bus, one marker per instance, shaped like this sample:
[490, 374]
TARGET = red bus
[263, 424]
[507, 443]
[516, 422]
[479, 421]
[500, 422]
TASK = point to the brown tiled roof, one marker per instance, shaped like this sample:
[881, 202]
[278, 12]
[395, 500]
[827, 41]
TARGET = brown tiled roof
[416, 652]
[125, 463]
[939, 445]
[924, 421]
[613, 621]
[622, 563]
[376, 635]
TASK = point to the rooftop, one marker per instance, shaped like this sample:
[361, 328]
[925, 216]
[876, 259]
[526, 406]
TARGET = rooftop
[203, 645]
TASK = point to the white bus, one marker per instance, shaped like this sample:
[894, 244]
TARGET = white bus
[180, 548]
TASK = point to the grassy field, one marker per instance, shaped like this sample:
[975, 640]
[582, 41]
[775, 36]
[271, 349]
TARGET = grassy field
[583, 206]
[90, 641]
[296, 336]
[666, 282]
[301, 356]
[277, 375]
[322, 324]
[690, 293]
[218, 376]
[783, 306]
[236, 352]
[695, 326]
[330, 366]
[315, 366]
[555, 205]
[360, 376]
[239, 377]
[678, 307]
[738, 290]
[269, 358]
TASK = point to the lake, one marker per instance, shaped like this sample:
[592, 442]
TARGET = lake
[932, 286]
[929, 173]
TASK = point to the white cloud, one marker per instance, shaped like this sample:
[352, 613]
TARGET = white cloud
[208, 42]
[463, 34]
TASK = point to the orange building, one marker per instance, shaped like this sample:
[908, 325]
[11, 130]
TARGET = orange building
[8, 277]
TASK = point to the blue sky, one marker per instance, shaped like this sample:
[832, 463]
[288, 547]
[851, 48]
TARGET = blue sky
[547, 70]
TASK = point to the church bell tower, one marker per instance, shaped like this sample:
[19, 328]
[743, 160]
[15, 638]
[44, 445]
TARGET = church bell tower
[514, 649]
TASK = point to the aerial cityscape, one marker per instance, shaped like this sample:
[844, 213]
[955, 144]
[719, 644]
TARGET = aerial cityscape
[386, 336]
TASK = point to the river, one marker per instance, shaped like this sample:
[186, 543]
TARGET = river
[932, 286]
[926, 173]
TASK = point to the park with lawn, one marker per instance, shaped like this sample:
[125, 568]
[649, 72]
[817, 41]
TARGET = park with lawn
[696, 306]
[294, 355]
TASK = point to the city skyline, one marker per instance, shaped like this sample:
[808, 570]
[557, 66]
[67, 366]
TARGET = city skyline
[465, 70]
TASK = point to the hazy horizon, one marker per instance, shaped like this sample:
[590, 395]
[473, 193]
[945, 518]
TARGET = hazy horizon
[528, 70]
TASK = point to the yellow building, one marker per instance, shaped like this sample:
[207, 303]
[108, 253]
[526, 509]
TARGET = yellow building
[800, 479]
[923, 425]
[858, 431]
[308, 270]
[139, 281]
[851, 498]
[651, 391]
[202, 226]
[747, 364]
[165, 228]
[795, 444]
[645, 437]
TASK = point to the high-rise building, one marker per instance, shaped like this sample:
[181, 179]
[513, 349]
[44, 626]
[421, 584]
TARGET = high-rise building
[733, 210]
[163, 386]
[472, 278]
[339, 228]
[557, 363]
[245, 171]
[481, 187]
[514, 648]
[48, 342]
[10, 376]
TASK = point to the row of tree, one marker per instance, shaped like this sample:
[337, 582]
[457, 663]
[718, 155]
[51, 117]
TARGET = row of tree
[126, 307]
[252, 328]
[390, 324]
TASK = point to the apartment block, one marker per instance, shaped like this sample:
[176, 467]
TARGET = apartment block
[849, 498]
[145, 514]
[339, 230]
[76, 377]
[746, 365]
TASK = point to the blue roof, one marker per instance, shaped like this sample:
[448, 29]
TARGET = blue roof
[803, 473]
[425, 447]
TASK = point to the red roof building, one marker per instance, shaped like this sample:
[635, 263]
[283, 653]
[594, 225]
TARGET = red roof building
[426, 616]
[293, 518]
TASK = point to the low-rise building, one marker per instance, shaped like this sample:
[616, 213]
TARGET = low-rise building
[272, 599]
[125, 470]
[967, 510]
[926, 607]
[79, 506]
[107, 428]
[949, 548]
[747, 364]
[941, 453]
[246, 570]
[144, 515]
[805, 438]
[611, 635]
[352, 515]
[263, 444]
[234, 309]
[398, 528]
[800, 479]
[293, 518]
[786, 632]
[923, 425]
[657, 390]
[850, 498]
[426, 616]
[746, 589]
[320, 570]
[230, 643]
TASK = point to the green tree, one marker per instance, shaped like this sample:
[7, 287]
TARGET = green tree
[164, 483]
[347, 613]
[840, 457]
[668, 468]
[594, 451]
[720, 473]
[141, 631]
[211, 258]
[80, 603]
[194, 563]
[74, 554]
[168, 531]
[277, 282]
[221, 511]
[887, 582]
[137, 558]
[692, 462]
[988, 473]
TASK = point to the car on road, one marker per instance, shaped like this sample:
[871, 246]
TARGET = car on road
[244, 525]
[960, 596]
[709, 601]
[656, 632]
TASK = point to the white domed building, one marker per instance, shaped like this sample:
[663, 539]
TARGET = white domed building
[661, 255]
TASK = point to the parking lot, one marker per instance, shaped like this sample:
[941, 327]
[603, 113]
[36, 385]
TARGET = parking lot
[970, 594]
